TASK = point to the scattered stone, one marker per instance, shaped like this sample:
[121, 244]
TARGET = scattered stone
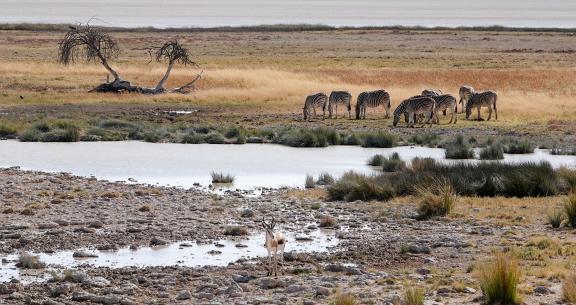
[423, 271]
[96, 224]
[322, 291]
[295, 288]
[247, 213]
[469, 290]
[242, 278]
[270, 283]
[83, 254]
[417, 249]
[542, 290]
[60, 290]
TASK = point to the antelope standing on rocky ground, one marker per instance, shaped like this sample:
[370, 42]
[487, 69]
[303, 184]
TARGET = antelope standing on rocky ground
[275, 243]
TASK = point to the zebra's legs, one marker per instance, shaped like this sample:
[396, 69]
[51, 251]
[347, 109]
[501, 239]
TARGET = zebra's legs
[496, 112]
[489, 113]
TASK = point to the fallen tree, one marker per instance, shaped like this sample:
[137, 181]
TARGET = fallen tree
[88, 43]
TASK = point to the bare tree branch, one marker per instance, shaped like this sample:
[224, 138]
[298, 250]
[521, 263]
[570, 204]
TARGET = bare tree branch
[170, 52]
[188, 86]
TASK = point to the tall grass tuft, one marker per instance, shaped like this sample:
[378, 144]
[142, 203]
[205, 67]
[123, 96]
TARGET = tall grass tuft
[29, 261]
[492, 152]
[570, 151]
[301, 137]
[516, 146]
[556, 218]
[499, 280]
[437, 199]
[428, 139]
[352, 186]
[413, 296]
[222, 178]
[376, 160]
[344, 299]
[458, 149]
[393, 163]
[568, 177]
[378, 139]
[325, 179]
[309, 183]
[570, 209]
[569, 288]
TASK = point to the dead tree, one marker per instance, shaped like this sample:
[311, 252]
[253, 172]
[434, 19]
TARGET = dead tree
[88, 43]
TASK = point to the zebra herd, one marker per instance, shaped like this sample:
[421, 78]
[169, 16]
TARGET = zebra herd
[414, 109]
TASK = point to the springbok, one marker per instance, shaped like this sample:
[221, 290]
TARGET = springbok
[275, 244]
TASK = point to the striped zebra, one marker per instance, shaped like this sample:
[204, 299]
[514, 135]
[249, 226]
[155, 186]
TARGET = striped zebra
[465, 94]
[415, 106]
[372, 99]
[313, 101]
[431, 92]
[339, 97]
[483, 99]
[445, 102]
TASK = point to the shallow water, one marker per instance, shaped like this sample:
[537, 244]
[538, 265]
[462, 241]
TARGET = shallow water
[185, 253]
[209, 13]
[253, 165]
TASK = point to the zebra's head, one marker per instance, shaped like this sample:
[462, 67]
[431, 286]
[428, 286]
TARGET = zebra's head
[397, 113]
[468, 109]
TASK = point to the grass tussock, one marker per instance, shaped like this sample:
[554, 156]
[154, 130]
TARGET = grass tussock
[55, 131]
[516, 146]
[425, 139]
[352, 186]
[29, 261]
[570, 209]
[568, 177]
[569, 288]
[325, 179]
[380, 139]
[393, 163]
[437, 199]
[494, 151]
[376, 160]
[499, 280]
[458, 149]
[413, 296]
[309, 183]
[555, 218]
[221, 178]
[568, 151]
[344, 299]
[235, 231]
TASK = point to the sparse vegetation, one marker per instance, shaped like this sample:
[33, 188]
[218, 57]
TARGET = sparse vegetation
[570, 209]
[393, 163]
[458, 149]
[556, 218]
[310, 183]
[222, 178]
[436, 199]
[499, 280]
[344, 299]
[327, 221]
[144, 208]
[569, 288]
[427, 139]
[29, 261]
[515, 146]
[378, 139]
[352, 186]
[376, 160]
[325, 179]
[570, 151]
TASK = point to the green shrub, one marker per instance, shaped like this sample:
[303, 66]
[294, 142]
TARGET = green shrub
[31, 135]
[429, 139]
[192, 138]
[221, 178]
[376, 160]
[413, 296]
[241, 139]
[458, 149]
[233, 132]
[492, 152]
[156, 135]
[215, 138]
[393, 163]
[437, 199]
[499, 280]
[102, 134]
[351, 139]
[378, 139]
[300, 137]
[570, 209]
[7, 130]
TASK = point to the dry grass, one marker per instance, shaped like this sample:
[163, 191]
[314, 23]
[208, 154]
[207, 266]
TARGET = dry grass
[437, 199]
[28, 261]
[344, 299]
[499, 280]
[569, 288]
[327, 221]
[413, 296]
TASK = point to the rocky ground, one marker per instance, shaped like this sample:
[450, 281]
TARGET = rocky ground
[382, 249]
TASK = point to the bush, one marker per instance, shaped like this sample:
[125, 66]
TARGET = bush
[429, 139]
[492, 152]
[233, 132]
[571, 151]
[393, 163]
[7, 131]
[192, 138]
[570, 209]
[344, 299]
[102, 134]
[56, 131]
[376, 160]
[325, 179]
[310, 183]
[302, 138]
[235, 231]
[569, 288]
[69, 134]
[437, 199]
[515, 146]
[413, 296]
[352, 186]
[215, 138]
[222, 178]
[499, 280]
[31, 135]
[378, 139]
[458, 149]
[156, 135]
[351, 139]
[28, 261]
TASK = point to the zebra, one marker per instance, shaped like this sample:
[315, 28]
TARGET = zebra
[443, 103]
[483, 99]
[313, 101]
[465, 94]
[414, 106]
[339, 97]
[431, 92]
[372, 99]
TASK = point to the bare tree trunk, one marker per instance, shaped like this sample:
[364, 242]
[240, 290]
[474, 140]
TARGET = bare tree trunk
[160, 85]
